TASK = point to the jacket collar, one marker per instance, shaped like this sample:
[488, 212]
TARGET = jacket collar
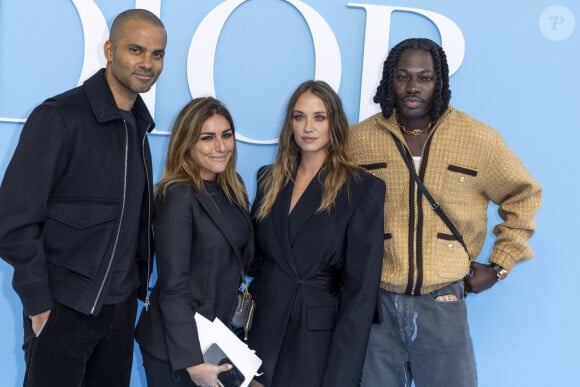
[306, 206]
[103, 103]
[390, 124]
[289, 225]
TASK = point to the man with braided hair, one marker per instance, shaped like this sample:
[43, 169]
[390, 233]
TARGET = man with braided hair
[421, 333]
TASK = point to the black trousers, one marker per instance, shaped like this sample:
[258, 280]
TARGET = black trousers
[78, 350]
[160, 374]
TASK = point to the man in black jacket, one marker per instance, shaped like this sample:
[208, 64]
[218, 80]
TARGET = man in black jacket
[75, 208]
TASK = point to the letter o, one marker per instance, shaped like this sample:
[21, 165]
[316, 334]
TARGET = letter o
[202, 49]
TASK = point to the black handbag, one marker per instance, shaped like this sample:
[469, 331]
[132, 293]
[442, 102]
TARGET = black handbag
[244, 312]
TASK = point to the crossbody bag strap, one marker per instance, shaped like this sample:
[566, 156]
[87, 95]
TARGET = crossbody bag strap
[222, 225]
[434, 205]
[244, 284]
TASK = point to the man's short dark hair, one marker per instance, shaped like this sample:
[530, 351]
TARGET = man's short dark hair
[132, 14]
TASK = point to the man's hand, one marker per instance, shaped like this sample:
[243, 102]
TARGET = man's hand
[38, 321]
[482, 278]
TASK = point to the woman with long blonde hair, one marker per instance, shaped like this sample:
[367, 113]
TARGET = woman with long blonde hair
[319, 232]
[204, 242]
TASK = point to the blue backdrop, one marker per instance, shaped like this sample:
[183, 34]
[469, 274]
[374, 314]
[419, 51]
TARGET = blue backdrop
[514, 67]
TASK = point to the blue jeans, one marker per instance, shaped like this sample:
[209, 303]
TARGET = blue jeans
[424, 339]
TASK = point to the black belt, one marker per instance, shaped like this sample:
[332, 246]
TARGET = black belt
[329, 279]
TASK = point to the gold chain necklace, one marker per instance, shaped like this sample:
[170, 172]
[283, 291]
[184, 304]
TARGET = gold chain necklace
[415, 132]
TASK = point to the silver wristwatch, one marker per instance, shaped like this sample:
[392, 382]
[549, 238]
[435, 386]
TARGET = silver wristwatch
[500, 272]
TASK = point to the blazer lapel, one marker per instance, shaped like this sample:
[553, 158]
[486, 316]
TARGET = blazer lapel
[288, 226]
[306, 206]
[280, 222]
[225, 227]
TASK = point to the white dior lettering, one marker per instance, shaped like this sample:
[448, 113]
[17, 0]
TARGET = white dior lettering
[328, 65]
[377, 40]
[96, 32]
[200, 59]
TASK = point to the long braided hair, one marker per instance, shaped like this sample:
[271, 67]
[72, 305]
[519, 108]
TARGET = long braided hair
[385, 95]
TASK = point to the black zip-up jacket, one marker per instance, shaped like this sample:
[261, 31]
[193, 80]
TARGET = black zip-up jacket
[63, 195]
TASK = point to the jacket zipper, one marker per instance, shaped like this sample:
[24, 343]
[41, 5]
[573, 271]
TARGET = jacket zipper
[120, 221]
[415, 238]
[418, 212]
[149, 188]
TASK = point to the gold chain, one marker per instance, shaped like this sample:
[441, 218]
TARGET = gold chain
[415, 132]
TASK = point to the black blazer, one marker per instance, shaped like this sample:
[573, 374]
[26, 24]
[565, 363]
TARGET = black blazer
[198, 271]
[317, 279]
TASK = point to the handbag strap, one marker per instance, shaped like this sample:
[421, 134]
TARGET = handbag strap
[223, 228]
[244, 284]
[434, 205]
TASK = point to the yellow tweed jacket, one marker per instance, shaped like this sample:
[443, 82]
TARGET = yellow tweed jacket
[465, 165]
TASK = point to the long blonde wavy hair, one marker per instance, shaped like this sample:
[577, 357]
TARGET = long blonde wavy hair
[180, 167]
[337, 167]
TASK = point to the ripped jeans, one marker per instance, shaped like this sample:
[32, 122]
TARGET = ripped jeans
[421, 339]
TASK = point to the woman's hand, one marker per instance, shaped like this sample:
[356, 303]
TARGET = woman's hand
[206, 374]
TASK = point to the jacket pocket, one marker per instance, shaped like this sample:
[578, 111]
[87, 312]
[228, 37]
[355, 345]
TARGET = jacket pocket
[322, 318]
[460, 183]
[371, 167]
[79, 233]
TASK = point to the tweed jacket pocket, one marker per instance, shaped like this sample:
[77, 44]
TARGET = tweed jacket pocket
[459, 183]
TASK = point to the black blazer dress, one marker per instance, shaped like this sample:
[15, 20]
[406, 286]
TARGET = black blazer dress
[317, 278]
[198, 271]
